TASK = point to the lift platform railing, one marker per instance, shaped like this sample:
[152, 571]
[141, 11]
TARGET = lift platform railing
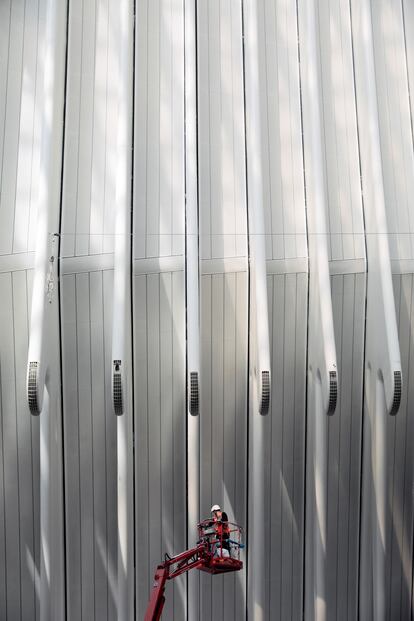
[220, 535]
[207, 556]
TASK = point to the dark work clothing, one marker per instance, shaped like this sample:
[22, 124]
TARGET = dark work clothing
[222, 529]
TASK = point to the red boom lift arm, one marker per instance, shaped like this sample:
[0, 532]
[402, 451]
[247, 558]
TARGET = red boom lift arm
[170, 569]
[208, 556]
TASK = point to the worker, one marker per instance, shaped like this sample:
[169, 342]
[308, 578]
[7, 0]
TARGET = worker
[220, 522]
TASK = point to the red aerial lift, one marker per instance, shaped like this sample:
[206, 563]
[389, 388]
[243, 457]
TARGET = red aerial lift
[209, 555]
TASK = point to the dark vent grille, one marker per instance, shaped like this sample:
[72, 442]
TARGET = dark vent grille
[117, 389]
[194, 393]
[333, 391]
[265, 400]
[397, 393]
[32, 388]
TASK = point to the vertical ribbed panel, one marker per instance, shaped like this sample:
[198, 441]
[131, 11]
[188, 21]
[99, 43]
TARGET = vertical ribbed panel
[91, 129]
[392, 26]
[340, 141]
[12, 37]
[395, 124]
[372, 129]
[344, 441]
[223, 425]
[285, 447]
[159, 129]
[345, 229]
[222, 188]
[382, 352]
[90, 446]
[22, 29]
[400, 452]
[287, 281]
[283, 184]
[19, 464]
[160, 421]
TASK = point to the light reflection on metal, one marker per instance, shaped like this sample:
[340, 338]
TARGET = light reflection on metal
[383, 377]
[121, 376]
[192, 293]
[322, 363]
[43, 381]
[259, 362]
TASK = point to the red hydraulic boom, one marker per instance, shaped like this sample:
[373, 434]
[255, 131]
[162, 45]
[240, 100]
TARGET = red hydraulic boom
[209, 555]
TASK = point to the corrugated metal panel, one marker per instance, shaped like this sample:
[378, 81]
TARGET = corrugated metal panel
[159, 129]
[408, 21]
[160, 420]
[284, 195]
[21, 73]
[90, 446]
[342, 174]
[344, 446]
[223, 425]
[12, 30]
[285, 448]
[90, 152]
[395, 123]
[347, 259]
[222, 185]
[400, 477]
[19, 479]
[286, 245]
[89, 190]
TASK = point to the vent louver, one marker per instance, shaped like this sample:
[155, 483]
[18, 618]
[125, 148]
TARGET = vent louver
[397, 393]
[333, 391]
[117, 388]
[194, 394]
[265, 398]
[32, 388]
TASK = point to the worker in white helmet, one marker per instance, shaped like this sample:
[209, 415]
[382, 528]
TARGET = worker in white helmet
[220, 521]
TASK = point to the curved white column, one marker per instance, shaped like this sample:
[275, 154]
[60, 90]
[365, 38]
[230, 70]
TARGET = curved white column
[259, 363]
[192, 295]
[322, 364]
[121, 327]
[383, 378]
[43, 376]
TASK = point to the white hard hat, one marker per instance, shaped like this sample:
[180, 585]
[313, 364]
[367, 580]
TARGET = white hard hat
[215, 508]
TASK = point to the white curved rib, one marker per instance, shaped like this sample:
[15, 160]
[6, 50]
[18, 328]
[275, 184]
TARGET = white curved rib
[42, 371]
[121, 326]
[322, 372]
[382, 353]
[192, 293]
[259, 363]
[258, 302]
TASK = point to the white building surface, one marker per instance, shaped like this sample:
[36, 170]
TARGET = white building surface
[207, 296]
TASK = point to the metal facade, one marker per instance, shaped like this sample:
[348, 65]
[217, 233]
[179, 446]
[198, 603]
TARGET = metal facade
[204, 203]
